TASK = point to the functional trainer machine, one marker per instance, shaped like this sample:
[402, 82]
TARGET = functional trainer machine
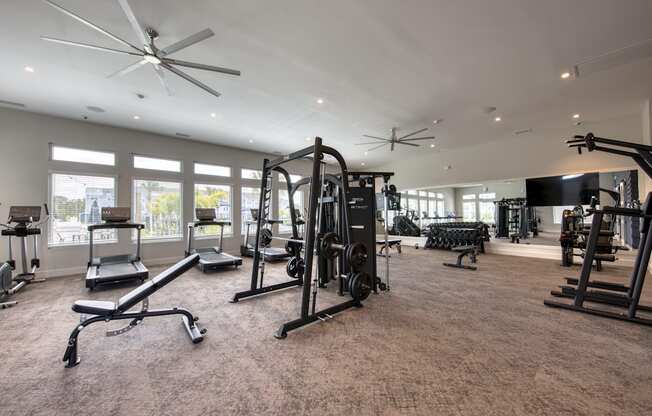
[326, 245]
[23, 223]
[210, 258]
[272, 254]
[103, 311]
[615, 295]
[121, 267]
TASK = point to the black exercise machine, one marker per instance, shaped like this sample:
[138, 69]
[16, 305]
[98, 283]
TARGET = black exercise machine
[210, 258]
[117, 268]
[104, 311]
[327, 246]
[615, 295]
[271, 254]
[23, 223]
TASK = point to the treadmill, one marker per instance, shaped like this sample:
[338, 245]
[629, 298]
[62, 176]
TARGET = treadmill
[272, 254]
[210, 258]
[118, 268]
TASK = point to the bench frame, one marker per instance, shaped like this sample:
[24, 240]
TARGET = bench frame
[471, 251]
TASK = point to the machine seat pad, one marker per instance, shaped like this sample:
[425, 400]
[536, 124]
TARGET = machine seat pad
[390, 242]
[94, 307]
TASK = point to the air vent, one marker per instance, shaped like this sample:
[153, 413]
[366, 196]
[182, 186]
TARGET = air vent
[12, 103]
[525, 131]
[95, 109]
[184, 135]
[612, 59]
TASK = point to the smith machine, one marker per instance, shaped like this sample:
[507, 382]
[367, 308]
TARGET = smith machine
[327, 235]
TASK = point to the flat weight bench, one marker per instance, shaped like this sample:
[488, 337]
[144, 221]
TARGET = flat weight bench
[469, 250]
[110, 311]
[390, 243]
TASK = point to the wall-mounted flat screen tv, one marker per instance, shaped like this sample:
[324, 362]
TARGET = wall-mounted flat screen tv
[562, 190]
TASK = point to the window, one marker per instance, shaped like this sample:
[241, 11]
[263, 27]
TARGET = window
[212, 170]
[152, 163]
[250, 199]
[441, 208]
[157, 204]
[284, 209]
[69, 154]
[487, 208]
[293, 178]
[218, 197]
[76, 201]
[251, 174]
[468, 207]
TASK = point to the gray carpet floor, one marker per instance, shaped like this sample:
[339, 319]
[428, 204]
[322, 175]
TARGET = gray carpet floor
[442, 342]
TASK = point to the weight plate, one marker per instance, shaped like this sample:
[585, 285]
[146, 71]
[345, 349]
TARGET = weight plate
[356, 255]
[265, 237]
[326, 245]
[360, 286]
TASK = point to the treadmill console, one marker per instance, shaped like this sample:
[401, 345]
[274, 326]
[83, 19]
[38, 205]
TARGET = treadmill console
[116, 214]
[205, 214]
[24, 214]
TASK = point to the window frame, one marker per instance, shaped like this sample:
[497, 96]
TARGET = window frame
[167, 172]
[194, 205]
[288, 230]
[145, 240]
[52, 145]
[50, 228]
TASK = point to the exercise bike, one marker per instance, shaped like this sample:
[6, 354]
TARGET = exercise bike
[24, 222]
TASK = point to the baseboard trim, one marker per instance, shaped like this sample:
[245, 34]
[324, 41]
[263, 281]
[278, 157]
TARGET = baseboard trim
[81, 270]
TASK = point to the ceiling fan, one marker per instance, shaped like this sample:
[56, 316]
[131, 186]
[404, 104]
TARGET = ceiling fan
[393, 140]
[148, 53]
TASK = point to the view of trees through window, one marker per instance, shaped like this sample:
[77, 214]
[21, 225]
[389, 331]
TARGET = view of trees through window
[284, 209]
[77, 201]
[249, 200]
[157, 204]
[218, 197]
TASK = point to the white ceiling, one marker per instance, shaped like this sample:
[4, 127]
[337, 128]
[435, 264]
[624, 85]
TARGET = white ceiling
[376, 63]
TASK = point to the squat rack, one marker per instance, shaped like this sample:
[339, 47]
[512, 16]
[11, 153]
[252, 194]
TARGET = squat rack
[307, 314]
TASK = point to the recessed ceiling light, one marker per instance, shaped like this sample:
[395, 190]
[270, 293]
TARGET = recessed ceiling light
[497, 119]
[251, 140]
[565, 75]
[437, 121]
[29, 69]
[366, 153]
[320, 101]
[213, 115]
[362, 164]
[432, 145]
[308, 139]
[576, 116]
[136, 117]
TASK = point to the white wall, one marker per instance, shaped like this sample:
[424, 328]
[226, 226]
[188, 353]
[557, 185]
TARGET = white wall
[542, 153]
[24, 169]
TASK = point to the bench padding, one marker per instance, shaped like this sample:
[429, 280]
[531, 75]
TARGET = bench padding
[94, 307]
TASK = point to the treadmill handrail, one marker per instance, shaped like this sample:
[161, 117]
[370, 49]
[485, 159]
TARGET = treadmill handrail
[117, 225]
[207, 223]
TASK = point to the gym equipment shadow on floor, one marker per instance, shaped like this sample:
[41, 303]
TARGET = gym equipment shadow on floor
[442, 341]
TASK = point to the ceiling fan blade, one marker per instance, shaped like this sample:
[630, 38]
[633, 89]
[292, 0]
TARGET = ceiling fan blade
[189, 41]
[367, 143]
[418, 138]
[89, 46]
[161, 77]
[190, 79]
[91, 25]
[202, 66]
[135, 25]
[128, 69]
[413, 133]
[377, 147]
[408, 144]
[376, 137]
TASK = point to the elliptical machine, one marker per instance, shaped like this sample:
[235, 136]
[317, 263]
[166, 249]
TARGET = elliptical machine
[23, 223]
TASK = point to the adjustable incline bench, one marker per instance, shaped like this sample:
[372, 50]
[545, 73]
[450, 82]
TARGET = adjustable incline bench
[109, 311]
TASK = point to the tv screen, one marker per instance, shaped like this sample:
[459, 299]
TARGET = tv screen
[562, 190]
